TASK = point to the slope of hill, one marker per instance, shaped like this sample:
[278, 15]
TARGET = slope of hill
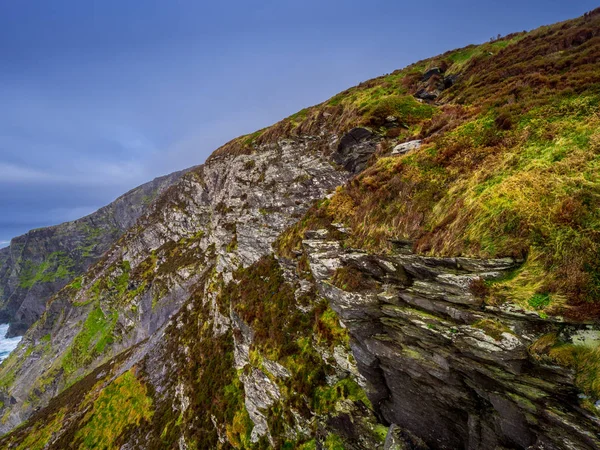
[411, 264]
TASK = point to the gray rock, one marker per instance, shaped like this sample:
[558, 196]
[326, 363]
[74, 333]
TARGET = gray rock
[223, 215]
[392, 440]
[425, 94]
[441, 366]
[355, 149]
[405, 147]
[431, 72]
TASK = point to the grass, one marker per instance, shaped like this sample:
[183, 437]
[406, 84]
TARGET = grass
[96, 334]
[479, 190]
[509, 167]
[326, 397]
[493, 328]
[39, 435]
[584, 360]
[123, 403]
[539, 301]
[56, 266]
[351, 279]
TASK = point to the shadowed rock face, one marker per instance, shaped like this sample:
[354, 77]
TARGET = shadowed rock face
[38, 264]
[444, 366]
[355, 149]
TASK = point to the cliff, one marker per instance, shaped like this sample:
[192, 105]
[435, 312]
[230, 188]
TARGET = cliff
[411, 264]
[38, 264]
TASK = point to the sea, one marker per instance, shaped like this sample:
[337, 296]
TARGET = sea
[7, 345]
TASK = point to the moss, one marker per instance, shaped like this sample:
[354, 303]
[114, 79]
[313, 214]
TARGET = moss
[493, 328]
[326, 398]
[381, 431]
[333, 442]
[329, 331]
[96, 334]
[584, 360]
[56, 266]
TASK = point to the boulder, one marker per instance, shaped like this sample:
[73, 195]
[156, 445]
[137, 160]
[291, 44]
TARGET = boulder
[405, 147]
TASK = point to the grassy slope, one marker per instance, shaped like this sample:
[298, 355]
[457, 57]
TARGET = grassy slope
[509, 167]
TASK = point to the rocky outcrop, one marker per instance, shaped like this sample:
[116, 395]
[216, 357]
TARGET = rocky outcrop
[443, 365]
[355, 149]
[38, 264]
[433, 82]
[215, 219]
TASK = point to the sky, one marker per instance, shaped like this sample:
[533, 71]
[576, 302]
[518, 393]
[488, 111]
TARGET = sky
[97, 97]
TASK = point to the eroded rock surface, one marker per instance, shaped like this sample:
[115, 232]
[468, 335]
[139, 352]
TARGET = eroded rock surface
[441, 364]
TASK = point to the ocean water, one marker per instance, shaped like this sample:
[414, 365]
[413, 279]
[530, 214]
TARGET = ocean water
[7, 345]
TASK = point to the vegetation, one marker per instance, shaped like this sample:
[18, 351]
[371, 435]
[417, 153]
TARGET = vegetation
[493, 328]
[92, 340]
[349, 278]
[56, 266]
[123, 403]
[509, 168]
[583, 359]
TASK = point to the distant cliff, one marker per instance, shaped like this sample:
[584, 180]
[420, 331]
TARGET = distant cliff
[39, 263]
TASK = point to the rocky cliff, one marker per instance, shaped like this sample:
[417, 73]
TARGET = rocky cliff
[411, 264]
[38, 264]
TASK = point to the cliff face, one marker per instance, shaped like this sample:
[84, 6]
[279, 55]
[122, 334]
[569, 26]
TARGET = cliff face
[216, 218]
[440, 363]
[411, 264]
[38, 264]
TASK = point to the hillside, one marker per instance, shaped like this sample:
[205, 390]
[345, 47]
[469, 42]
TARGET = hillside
[410, 264]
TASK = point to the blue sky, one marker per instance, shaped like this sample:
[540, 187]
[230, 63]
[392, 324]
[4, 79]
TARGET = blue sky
[97, 97]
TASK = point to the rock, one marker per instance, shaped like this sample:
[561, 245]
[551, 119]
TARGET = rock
[449, 81]
[260, 393]
[355, 149]
[431, 72]
[216, 218]
[425, 94]
[393, 441]
[75, 245]
[405, 147]
[439, 365]
[391, 119]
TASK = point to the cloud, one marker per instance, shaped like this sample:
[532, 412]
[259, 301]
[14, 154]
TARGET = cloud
[83, 172]
[13, 173]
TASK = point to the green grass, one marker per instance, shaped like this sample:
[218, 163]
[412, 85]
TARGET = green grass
[96, 334]
[502, 182]
[56, 266]
[539, 301]
[584, 360]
